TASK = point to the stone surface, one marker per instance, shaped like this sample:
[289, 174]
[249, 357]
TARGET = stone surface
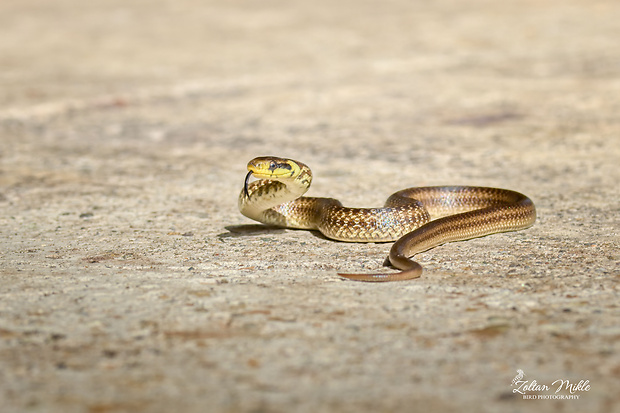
[130, 282]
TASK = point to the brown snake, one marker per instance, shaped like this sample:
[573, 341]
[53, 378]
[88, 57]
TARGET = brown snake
[418, 219]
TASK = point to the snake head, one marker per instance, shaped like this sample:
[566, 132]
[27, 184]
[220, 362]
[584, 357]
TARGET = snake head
[278, 169]
[272, 167]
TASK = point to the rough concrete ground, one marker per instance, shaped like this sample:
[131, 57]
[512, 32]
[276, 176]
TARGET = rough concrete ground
[130, 282]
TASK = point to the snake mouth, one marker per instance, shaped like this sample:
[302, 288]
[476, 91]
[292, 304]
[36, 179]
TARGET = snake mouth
[245, 185]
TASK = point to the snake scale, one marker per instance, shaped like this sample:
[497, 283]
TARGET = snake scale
[418, 219]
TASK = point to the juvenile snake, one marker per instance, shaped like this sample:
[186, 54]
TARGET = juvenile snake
[418, 219]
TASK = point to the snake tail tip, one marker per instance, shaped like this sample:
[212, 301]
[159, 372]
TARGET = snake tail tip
[398, 276]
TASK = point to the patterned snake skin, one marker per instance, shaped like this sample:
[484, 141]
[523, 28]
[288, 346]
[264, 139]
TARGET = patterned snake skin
[418, 219]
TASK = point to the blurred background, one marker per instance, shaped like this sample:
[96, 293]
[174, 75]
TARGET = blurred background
[130, 282]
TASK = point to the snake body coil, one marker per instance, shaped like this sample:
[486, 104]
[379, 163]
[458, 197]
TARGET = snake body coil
[418, 219]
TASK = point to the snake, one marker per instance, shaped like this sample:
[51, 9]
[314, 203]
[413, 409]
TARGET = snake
[415, 219]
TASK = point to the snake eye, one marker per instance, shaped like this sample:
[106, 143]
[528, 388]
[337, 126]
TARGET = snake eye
[272, 165]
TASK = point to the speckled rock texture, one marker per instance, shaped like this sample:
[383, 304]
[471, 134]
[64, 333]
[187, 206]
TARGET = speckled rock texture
[129, 281]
